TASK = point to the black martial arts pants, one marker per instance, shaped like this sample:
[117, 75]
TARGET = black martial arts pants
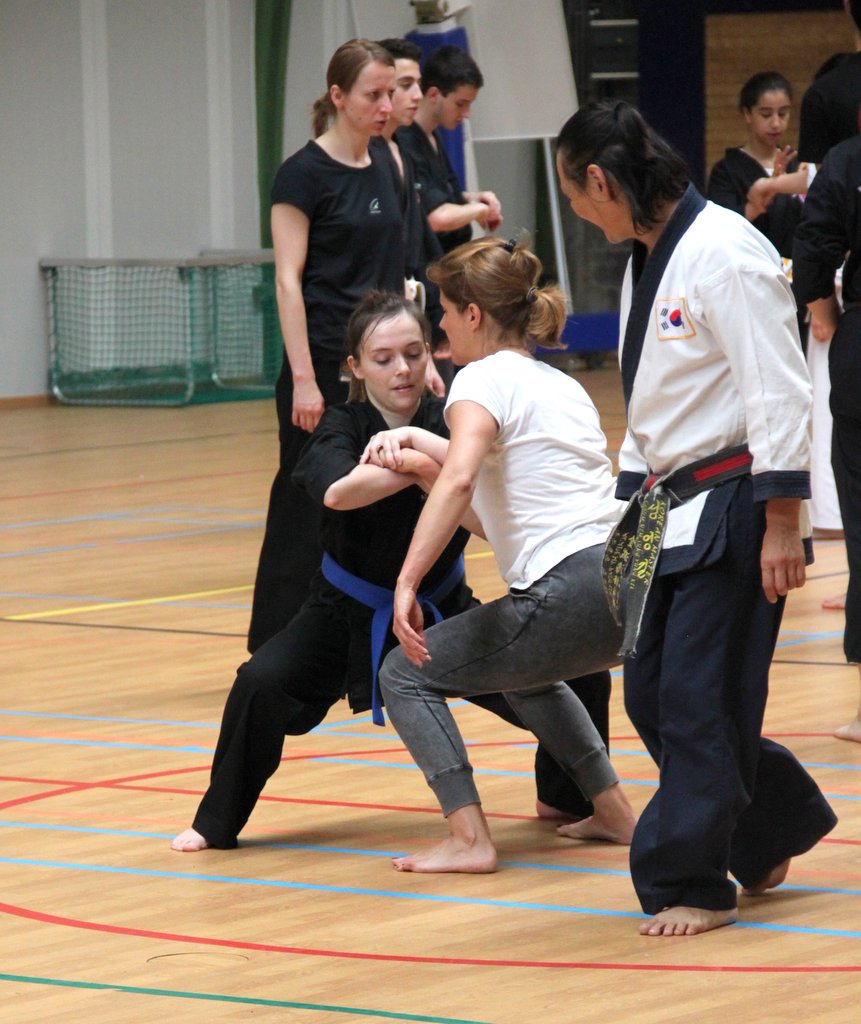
[291, 552]
[287, 688]
[844, 364]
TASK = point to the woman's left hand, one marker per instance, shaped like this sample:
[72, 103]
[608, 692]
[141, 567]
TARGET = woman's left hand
[384, 449]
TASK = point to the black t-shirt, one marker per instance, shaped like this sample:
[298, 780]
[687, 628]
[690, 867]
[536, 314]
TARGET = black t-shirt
[829, 110]
[421, 246]
[729, 184]
[355, 239]
[436, 177]
[369, 542]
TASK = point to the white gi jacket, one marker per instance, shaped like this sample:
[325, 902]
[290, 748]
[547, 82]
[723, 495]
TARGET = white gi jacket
[721, 362]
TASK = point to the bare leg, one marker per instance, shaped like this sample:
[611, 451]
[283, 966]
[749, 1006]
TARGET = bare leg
[468, 848]
[189, 841]
[771, 880]
[687, 921]
[613, 820]
[852, 731]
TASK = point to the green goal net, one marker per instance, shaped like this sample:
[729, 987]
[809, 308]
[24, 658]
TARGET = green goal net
[156, 332]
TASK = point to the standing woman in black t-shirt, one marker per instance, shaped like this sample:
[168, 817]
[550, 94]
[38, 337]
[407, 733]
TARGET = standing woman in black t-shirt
[336, 230]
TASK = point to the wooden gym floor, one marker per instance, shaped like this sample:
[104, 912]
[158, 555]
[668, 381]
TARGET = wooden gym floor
[129, 543]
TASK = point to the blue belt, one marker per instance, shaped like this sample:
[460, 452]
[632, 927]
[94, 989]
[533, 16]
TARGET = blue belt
[381, 601]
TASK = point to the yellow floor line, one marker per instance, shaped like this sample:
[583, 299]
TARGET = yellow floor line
[124, 604]
[83, 609]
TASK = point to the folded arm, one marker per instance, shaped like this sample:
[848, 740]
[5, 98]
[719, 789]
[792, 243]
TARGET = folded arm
[390, 448]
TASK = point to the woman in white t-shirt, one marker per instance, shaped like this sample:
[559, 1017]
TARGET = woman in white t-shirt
[526, 468]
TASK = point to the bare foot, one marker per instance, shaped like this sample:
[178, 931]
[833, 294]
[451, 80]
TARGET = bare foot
[852, 731]
[594, 828]
[835, 604]
[189, 841]
[687, 921]
[452, 854]
[548, 813]
[613, 820]
[771, 880]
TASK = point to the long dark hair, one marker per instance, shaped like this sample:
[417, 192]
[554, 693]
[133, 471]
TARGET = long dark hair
[636, 160]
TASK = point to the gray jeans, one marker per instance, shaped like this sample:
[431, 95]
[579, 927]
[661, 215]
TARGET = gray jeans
[522, 645]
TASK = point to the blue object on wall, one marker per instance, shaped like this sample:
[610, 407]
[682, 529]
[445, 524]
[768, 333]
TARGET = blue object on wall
[589, 332]
[428, 41]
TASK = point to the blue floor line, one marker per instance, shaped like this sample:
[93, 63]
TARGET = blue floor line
[396, 894]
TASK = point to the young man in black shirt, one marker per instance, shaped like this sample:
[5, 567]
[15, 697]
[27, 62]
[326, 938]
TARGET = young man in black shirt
[450, 81]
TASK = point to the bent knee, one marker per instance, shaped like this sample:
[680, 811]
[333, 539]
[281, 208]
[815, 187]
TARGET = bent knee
[268, 694]
[397, 673]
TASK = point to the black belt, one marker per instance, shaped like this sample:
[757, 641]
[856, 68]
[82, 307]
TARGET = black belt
[637, 538]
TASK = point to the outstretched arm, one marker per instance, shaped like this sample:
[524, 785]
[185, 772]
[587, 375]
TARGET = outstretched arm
[473, 430]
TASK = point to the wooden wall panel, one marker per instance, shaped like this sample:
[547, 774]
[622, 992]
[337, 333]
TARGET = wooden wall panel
[740, 45]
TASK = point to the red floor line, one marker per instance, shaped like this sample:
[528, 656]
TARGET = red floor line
[37, 915]
[352, 804]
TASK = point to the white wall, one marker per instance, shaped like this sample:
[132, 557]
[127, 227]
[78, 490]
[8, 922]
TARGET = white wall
[128, 131]
[507, 167]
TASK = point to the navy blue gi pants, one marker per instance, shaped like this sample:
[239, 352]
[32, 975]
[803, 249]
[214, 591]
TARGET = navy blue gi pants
[728, 800]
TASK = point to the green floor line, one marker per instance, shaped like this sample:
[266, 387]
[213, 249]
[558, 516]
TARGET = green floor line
[246, 1000]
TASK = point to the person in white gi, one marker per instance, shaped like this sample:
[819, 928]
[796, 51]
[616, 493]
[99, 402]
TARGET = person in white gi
[718, 402]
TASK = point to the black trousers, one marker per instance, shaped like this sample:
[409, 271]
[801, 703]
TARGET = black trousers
[287, 688]
[727, 799]
[844, 364]
[291, 552]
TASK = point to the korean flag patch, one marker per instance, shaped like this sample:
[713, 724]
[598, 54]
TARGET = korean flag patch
[672, 321]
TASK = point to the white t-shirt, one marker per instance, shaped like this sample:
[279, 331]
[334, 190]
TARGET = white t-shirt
[546, 488]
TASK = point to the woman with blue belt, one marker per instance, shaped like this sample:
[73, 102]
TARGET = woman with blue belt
[331, 647]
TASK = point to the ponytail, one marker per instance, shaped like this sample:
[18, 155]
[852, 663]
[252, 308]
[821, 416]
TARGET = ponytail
[502, 279]
[322, 112]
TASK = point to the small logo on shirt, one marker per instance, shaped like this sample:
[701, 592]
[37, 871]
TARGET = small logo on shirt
[672, 320]
[374, 206]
